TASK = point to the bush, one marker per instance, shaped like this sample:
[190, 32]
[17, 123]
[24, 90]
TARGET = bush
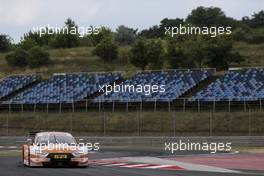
[5, 43]
[106, 50]
[18, 58]
[38, 57]
[27, 44]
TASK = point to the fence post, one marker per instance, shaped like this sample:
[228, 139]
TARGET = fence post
[229, 105]
[245, 107]
[249, 122]
[104, 119]
[47, 110]
[211, 123]
[140, 108]
[169, 106]
[138, 123]
[155, 105]
[184, 106]
[174, 123]
[260, 105]
[199, 106]
[35, 106]
[99, 105]
[60, 108]
[73, 109]
[214, 106]
[113, 107]
[71, 121]
[22, 107]
[127, 106]
[86, 105]
[7, 120]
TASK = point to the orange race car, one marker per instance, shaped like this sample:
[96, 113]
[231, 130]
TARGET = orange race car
[54, 149]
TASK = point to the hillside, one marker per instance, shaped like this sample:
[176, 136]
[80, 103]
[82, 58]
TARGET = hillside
[81, 60]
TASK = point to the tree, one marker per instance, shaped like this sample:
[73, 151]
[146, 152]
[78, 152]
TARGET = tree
[208, 16]
[155, 54]
[5, 43]
[257, 20]
[175, 54]
[218, 53]
[125, 35]
[171, 22]
[152, 32]
[106, 49]
[37, 57]
[68, 36]
[139, 57]
[27, 43]
[18, 58]
[95, 39]
[34, 37]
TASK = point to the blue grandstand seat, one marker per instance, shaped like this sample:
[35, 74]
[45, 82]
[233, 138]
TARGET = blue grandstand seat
[235, 85]
[64, 88]
[177, 82]
[11, 84]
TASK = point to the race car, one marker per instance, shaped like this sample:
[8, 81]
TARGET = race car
[54, 149]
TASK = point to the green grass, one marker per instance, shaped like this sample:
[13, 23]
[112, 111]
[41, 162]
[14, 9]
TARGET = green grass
[253, 54]
[157, 123]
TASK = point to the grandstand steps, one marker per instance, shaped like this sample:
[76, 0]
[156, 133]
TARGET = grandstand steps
[201, 86]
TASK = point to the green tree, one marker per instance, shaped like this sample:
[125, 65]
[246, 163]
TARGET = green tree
[37, 57]
[257, 20]
[27, 43]
[175, 55]
[139, 57]
[125, 35]
[218, 53]
[5, 43]
[68, 36]
[17, 58]
[95, 39]
[208, 16]
[34, 37]
[106, 50]
[155, 54]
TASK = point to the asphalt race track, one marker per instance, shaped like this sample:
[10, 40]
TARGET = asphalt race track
[12, 165]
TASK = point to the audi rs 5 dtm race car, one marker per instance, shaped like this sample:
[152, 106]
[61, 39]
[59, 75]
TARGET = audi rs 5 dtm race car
[54, 149]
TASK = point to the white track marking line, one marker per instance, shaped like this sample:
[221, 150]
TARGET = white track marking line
[160, 166]
[116, 164]
[136, 165]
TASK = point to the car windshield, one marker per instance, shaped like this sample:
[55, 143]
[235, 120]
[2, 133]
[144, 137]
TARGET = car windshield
[55, 139]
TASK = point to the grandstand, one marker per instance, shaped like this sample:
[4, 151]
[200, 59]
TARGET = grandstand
[235, 85]
[177, 82]
[242, 85]
[64, 88]
[14, 83]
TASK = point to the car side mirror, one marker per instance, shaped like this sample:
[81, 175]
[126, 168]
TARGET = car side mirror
[80, 140]
[29, 141]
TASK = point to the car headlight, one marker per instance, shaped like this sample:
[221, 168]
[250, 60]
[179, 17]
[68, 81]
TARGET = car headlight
[78, 152]
[41, 152]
